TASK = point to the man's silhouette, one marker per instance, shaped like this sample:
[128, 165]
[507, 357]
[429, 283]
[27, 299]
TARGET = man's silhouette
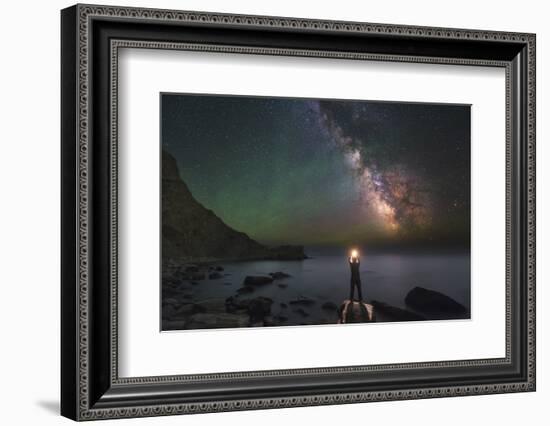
[355, 276]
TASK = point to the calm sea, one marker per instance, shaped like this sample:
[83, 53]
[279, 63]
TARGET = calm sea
[325, 277]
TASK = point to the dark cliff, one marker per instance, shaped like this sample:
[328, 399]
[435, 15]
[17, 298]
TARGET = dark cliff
[192, 232]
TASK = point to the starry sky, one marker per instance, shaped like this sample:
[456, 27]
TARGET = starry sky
[323, 172]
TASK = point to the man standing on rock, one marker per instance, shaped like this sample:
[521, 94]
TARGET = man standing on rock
[355, 276]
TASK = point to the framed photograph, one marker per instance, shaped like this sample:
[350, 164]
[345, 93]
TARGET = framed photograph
[263, 212]
[306, 202]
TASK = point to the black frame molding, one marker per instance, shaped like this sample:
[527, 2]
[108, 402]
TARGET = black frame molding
[91, 36]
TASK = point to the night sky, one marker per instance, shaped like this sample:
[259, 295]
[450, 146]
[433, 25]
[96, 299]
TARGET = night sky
[326, 172]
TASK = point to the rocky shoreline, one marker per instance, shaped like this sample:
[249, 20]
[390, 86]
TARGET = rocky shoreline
[182, 310]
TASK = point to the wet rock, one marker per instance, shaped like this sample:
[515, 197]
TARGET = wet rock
[170, 301]
[247, 289]
[183, 286]
[301, 312]
[232, 305]
[257, 308]
[283, 305]
[257, 280]
[329, 306]
[184, 310]
[168, 311]
[219, 268]
[279, 275]
[217, 320]
[214, 276]
[282, 285]
[168, 325]
[169, 292]
[171, 312]
[169, 280]
[191, 269]
[433, 302]
[214, 305]
[302, 301]
[227, 284]
[197, 276]
[269, 321]
[281, 318]
[392, 313]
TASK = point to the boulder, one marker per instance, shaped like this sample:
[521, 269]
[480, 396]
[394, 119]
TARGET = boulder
[301, 312]
[279, 275]
[302, 301]
[257, 280]
[257, 307]
[247, 289]
[355, 312]
[329, 306]
[269, 321]
[433, 302]
[281, 318]
[196, 276]
[214, 276]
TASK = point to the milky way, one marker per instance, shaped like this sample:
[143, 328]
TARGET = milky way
[326, 172]
[395, 194]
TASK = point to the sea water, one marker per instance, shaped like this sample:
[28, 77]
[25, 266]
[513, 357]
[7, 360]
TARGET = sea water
[325, 277]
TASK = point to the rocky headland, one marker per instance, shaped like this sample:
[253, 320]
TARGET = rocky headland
[191, 232]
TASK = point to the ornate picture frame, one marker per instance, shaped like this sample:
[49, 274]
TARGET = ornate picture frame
[91, 37]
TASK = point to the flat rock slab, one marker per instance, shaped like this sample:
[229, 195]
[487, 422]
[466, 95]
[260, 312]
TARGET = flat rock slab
[257, 280]
[355, 312]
